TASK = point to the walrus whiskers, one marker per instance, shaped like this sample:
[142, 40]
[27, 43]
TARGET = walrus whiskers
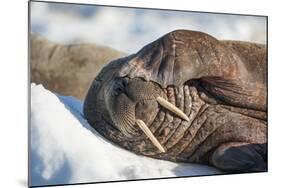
[149, 134]
[172, 108]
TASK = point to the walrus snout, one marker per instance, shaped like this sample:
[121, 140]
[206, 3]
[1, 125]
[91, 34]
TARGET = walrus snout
[146, 110]
[133, 105]
[131, 99]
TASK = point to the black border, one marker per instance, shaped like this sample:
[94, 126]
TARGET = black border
[115, 6]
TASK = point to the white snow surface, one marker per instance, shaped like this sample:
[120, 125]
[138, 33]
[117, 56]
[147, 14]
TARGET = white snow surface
[66, 149]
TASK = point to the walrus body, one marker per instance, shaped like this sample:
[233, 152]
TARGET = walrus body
[219, 85]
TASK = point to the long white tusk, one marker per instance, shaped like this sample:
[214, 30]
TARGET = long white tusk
[172, 108]
[149, 134]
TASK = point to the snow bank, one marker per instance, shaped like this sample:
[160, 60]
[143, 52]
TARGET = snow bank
[65, 149]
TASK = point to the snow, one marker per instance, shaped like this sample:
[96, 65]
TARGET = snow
[65, 149]
[67, 23]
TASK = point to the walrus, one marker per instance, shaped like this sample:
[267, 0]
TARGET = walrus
[67, 69]
[186, 97]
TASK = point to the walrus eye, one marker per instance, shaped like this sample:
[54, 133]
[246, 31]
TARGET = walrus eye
[120, 86]
[117, 90]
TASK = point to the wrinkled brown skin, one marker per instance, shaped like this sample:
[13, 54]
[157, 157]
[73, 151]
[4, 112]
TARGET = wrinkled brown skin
[67, 69]
[220, 85]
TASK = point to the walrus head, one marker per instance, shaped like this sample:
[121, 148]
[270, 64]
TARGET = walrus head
[127, 94]
[127, 104]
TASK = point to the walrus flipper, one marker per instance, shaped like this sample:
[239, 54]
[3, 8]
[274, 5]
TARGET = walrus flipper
[237, 157]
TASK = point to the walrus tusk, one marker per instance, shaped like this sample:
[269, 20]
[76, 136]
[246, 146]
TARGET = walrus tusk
[172, 108]
[149, 134]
